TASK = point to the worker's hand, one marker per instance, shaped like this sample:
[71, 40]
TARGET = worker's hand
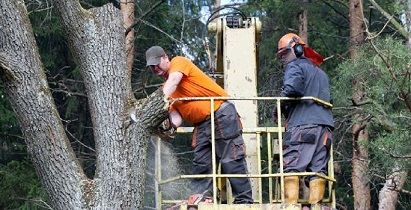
[168, 100]
[166, 130]
[275, 115]
[166, 135]
[284, 113]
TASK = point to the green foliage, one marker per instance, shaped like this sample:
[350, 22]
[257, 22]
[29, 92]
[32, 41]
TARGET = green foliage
[381, 69]
[20, 188]
[392, 149]
[7, 118]
[385, 77]
[174, 25]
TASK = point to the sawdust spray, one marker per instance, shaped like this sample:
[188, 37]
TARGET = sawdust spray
[170, 168]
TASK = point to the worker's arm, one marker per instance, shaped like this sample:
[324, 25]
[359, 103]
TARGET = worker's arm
[168, 127]
[172, 82]
[293, 82]
[176, 118]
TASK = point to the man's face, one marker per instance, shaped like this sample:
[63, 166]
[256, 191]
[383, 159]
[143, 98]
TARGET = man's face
[160, 69]
[287, 56]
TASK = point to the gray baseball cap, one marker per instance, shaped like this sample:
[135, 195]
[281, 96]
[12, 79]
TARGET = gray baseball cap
[153, 55]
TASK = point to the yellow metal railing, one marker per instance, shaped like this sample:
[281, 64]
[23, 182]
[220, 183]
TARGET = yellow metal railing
[275, 195]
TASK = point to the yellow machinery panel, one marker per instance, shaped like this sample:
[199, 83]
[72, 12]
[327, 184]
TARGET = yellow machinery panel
[244, 207]
[240, 80]
[253, 207]
[237, 61]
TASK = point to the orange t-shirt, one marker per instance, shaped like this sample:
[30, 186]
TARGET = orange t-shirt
[195, 83]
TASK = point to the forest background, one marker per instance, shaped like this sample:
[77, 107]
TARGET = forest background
[366, 45]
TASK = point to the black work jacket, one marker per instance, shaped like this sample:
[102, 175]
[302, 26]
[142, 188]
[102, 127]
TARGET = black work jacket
[303, 78]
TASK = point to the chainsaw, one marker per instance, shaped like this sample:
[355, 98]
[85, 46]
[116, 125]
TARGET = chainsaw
[193, 200]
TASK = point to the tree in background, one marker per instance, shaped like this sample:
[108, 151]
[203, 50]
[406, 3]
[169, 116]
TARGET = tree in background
[360, 178]
[388, 111]
[382, 99]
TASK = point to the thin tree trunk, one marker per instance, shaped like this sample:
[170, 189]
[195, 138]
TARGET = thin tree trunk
[408, 18]
[360, 179]
[357, 36]
[127, 7]
[388, 196]
[303, 33]
[303, 22]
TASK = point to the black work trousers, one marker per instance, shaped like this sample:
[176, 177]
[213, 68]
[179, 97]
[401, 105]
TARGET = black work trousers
[307, 148]
[230, 153]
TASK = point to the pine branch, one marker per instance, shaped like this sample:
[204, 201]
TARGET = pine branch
[397, 25]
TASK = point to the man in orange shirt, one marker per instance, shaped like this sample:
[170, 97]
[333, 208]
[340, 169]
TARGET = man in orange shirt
[185, 79]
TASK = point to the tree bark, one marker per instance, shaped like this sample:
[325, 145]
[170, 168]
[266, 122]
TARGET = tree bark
[96, 40]
[388, 196]
[127, 8]
[303, 23]
[357, 31]
[408, 18]
[360, 179]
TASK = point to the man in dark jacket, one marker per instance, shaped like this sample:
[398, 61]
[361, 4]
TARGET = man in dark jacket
[308, 134]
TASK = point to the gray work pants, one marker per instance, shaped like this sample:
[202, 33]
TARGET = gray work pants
[230, 153]
[307, 148]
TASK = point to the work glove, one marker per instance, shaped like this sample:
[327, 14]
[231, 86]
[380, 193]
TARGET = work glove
[168, 101]
[283, 113]
[275, 115]
[166, 130]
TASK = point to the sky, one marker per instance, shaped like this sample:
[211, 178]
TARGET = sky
[230, 1]
[225, 2]
[206, 13]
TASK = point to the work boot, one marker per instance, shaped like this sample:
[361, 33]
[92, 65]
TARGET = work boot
[317, 189]
[291, 189]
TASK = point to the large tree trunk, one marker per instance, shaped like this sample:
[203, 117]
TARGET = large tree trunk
[96, 39]
[360, 179]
